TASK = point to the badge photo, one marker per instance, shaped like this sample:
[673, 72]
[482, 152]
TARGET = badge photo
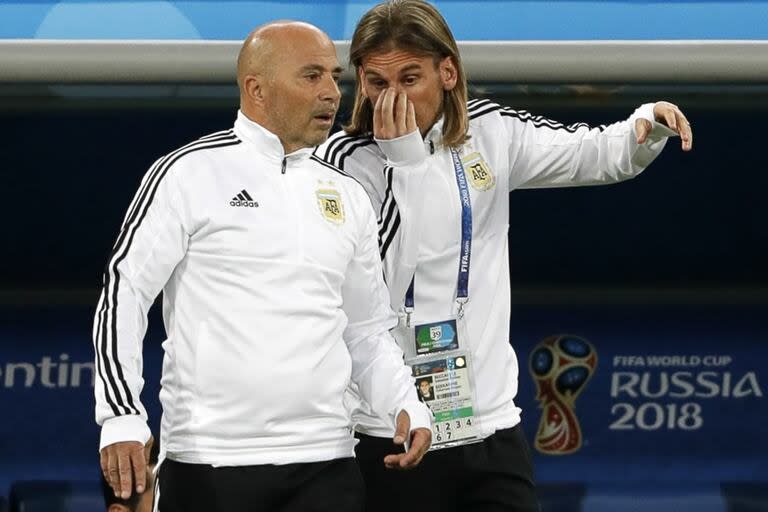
[443, 383]
[480, 175]
[331, 206]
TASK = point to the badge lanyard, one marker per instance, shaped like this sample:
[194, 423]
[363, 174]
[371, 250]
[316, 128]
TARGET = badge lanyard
[462, 281]
[439, 360]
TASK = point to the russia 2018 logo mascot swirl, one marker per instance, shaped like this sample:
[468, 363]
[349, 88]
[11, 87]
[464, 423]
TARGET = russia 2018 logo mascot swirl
[561, 367]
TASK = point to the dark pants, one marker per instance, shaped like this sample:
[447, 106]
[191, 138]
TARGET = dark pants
[312, 487]
[494, 475]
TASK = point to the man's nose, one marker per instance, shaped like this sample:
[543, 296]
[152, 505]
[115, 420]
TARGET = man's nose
[331, 91]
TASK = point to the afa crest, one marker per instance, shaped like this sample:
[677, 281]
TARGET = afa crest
[478, 172]
[331, 206]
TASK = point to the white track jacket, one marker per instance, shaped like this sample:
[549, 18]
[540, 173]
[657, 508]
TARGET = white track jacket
[411, 183]
[273, 300]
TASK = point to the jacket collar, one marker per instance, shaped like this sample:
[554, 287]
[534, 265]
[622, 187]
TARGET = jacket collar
[265, 141]
[435, 134]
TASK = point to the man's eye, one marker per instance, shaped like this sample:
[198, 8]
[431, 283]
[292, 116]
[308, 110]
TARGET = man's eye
[380, 84]
[313, 76]
[410, 80]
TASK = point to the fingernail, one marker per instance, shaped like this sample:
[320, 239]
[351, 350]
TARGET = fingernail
[139, 488]
[399, 439]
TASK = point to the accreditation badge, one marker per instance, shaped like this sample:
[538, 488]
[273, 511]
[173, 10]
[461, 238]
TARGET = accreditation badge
[442, 369]
[444, 384]
[478, 171]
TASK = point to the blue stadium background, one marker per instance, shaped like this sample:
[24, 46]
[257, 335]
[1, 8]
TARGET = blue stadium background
[669, 264]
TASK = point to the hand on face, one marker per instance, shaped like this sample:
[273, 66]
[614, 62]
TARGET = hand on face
[393, 115]
[670, 116]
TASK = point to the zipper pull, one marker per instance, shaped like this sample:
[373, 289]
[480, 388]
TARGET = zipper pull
[431, 147]
[284, 164]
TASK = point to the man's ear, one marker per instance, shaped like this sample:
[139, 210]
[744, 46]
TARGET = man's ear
[361, 81]
[449, 73]
[253, 86]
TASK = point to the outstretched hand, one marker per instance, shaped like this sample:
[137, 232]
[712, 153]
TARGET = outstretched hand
[421, 439]
[670, 116]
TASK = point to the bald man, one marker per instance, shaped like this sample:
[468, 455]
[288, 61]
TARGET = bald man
[273, 301]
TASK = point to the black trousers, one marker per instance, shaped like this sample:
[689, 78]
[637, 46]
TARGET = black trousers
[494, 475]
[312, 487]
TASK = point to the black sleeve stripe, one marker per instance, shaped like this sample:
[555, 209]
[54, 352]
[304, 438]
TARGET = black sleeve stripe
[223, 135]
[475, 105]
[390, 237]
[328, 165]
[540, 121]
[338, 141]
[351, 149]
[103, 336]
[387, 227]
[337, 138]
[216, 135]
[390, 213]
[97, 335]
[106, 334]
[483, 111]
[388, 177]
[388, 205]
[348, 146]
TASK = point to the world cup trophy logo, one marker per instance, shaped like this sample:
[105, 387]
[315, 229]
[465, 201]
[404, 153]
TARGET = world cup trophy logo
[561, 367]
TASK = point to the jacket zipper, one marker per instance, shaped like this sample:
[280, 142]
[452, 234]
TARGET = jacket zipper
[291, 193]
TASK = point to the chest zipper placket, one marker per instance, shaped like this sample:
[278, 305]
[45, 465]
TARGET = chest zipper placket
[296, 214]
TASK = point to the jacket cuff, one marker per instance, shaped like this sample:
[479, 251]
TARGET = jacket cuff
[130, 427]
[659, 131]
[405, 150]
[419, 414]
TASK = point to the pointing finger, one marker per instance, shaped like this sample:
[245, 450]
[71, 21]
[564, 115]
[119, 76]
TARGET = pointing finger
[686, 133]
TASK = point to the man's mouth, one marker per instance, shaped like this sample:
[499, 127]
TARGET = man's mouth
[325, 117]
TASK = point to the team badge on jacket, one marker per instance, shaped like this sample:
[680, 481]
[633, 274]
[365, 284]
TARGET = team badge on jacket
[331, 207]
[480, 175]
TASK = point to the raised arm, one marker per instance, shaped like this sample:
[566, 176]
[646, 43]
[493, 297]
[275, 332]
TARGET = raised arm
[544, 153]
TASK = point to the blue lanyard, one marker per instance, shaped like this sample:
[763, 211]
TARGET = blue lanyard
[462, 284]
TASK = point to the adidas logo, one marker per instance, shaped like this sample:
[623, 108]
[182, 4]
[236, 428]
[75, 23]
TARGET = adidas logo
[243, 199]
